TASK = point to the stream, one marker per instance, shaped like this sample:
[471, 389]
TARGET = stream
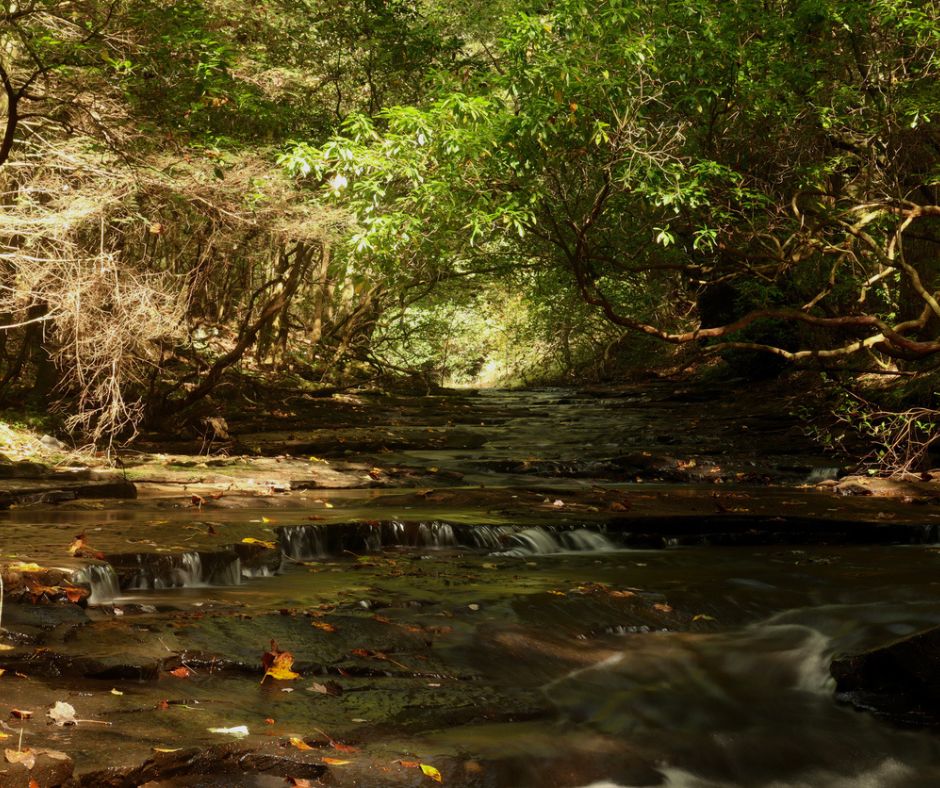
[630, 587]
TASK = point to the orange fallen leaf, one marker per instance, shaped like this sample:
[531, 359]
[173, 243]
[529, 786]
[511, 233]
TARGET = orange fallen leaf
[335, 761]
[74, 594]
[410, 764]
[662, 607]
[182, 672]
[300, 744]
[340, 747]
[269, 721]
[326, 627]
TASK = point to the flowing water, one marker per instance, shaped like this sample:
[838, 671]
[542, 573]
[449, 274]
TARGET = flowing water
[525, 633]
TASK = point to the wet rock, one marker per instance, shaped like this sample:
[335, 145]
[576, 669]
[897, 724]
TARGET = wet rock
[121, 490]
[51, 442]
[22, 470]
[50, 769]
[218, 766]
[852, 488]
[900, 681]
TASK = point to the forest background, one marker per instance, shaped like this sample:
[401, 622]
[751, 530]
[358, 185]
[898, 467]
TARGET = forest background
[196, 197]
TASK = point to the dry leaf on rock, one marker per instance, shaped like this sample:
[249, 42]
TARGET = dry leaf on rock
[25, 757]
[62, 713]
[238, 731]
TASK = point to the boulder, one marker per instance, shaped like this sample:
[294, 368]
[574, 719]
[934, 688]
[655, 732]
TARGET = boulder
[899, 681]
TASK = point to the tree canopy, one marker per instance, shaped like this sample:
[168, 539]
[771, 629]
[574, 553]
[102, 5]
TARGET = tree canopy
[344, 189]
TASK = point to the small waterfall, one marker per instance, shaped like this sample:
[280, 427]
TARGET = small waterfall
[188, 574]
[303, 542]
[583, 539]
[487, 537]
[102, 580]
[533, 541]
[436, 535]
[306, 542]
[817, 475]
[146, 571]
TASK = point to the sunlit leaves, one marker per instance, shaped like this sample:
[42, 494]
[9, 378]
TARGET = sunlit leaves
[277, 664]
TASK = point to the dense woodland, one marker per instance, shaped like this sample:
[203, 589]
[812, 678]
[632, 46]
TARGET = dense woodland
[485, 191]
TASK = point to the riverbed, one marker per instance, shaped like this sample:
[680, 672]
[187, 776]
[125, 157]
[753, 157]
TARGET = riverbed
[641, 586]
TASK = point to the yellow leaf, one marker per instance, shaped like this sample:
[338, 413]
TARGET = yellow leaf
[282, 674]
[300, 744]
[702, 617]
[335, 761]
[21, 567]
[431, 772]
[267, 519]
[328, 505]
[4, 735]
[280, 667]
[116, 692]
[262, 542]
[167, 749]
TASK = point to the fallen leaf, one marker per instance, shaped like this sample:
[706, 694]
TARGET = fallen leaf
[269, 721]
[300, 744]
[340, 747]
[329, 688]
[75, 595]
[4, 735]
[62, 713]
[335, 761]
[662, 607]
[299, 782]
[326, 627]
[277, 664]
[167, 749]
[182, 672]
[25, 757]
[21, 567]
[77, 544]
[238, 731]
[410, 764]
[116, 692]
[262, 542]
[702, 617]
[431, 772]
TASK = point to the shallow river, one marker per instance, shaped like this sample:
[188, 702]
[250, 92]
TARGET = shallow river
[503, 646]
